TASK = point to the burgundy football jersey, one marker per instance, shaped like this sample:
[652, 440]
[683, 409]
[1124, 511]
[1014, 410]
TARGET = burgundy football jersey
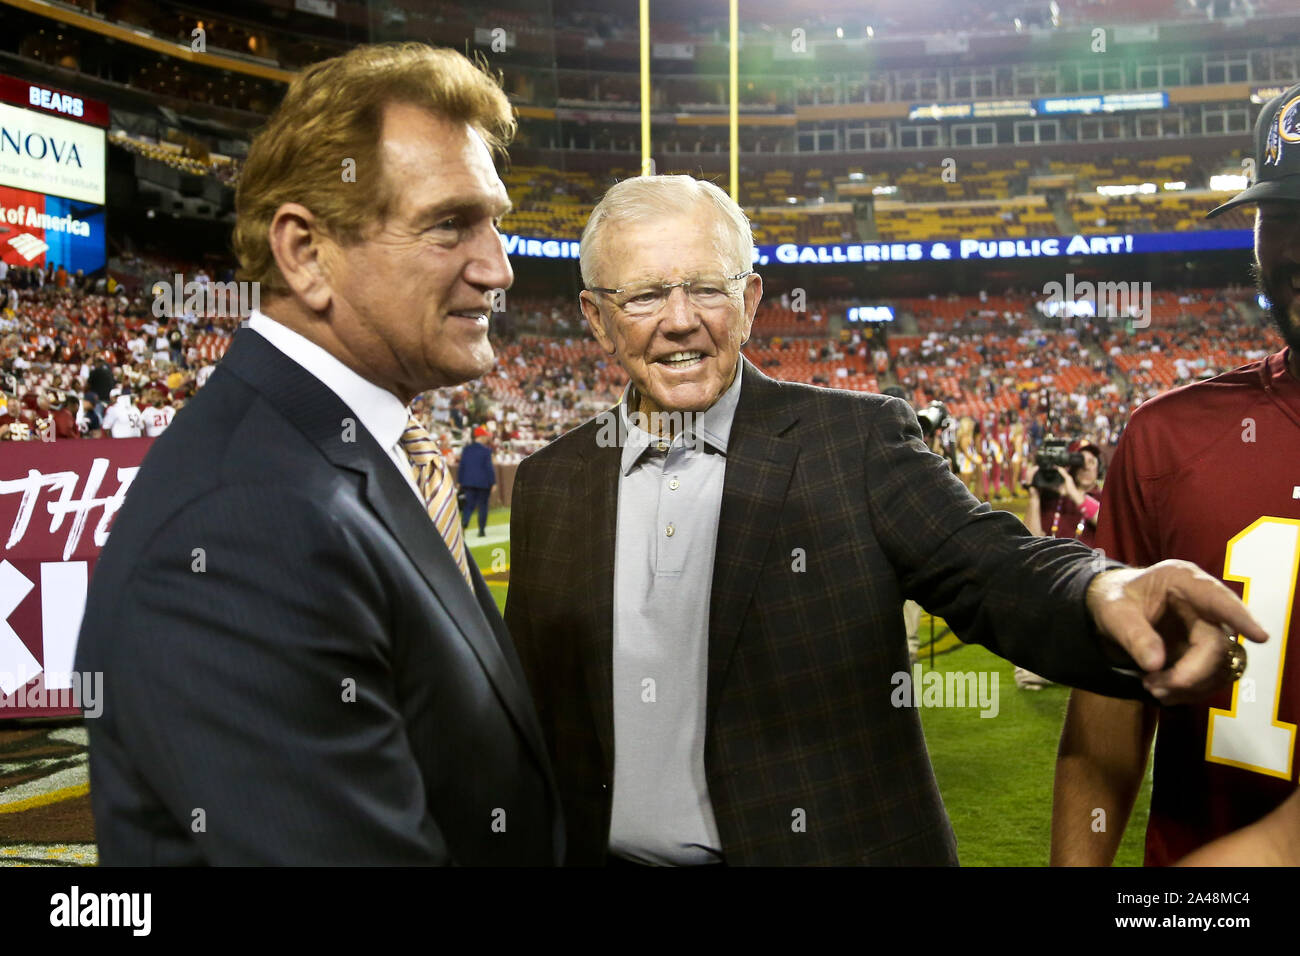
[1210, 473]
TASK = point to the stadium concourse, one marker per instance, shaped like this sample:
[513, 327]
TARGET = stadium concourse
[1007, 374]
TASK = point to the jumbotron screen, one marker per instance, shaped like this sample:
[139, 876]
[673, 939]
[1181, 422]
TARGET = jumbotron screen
[52, 175]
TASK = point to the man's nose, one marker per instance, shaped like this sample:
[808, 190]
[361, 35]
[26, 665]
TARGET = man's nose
[489, 266]
[679, 313]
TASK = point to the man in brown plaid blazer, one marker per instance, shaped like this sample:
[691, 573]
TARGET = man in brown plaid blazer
[784, 747]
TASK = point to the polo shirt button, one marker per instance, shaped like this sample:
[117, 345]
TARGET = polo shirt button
[670, 531]
[674, 485]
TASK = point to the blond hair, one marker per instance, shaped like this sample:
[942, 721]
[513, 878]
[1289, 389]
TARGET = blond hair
[331, 119]
[653, 197]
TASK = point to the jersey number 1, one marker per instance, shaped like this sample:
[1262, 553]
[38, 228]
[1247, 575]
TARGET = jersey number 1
[1265, 558]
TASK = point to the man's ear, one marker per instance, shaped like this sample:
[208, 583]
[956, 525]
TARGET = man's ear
[753, 295]
[297, 242]
[591, 312]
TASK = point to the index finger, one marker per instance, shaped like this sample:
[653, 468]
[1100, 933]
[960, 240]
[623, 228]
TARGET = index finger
[1213, 601]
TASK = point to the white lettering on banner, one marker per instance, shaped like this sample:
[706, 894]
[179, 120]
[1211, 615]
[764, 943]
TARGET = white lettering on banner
[31, 218]
[19, 664]
[63, 602]
[60, 102]
[66, 482]
[43, 586]
[790, 253]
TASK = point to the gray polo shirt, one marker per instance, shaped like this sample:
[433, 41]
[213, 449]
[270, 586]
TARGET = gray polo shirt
[669, 497]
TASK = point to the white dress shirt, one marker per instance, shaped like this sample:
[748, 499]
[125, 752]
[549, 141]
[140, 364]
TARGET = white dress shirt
[378, 410]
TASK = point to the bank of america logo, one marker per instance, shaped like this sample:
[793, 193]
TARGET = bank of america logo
[28, 246]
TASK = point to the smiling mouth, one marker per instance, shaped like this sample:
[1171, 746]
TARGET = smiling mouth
[682, 360]
[477, 315]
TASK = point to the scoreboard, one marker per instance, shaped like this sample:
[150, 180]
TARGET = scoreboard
[52, 177]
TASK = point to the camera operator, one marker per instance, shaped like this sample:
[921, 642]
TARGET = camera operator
[1064, 501]
[935, 423]
[1065, 507]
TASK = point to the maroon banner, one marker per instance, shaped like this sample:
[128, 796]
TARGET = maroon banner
[57, 501]
[52, 100]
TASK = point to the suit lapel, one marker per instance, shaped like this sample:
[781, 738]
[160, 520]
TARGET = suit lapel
[394, 503]
[319, 414]
[759, 466]
[600, 505]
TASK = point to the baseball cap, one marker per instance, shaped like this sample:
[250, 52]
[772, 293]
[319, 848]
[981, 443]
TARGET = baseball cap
[480, 432]
[1277, 154]
[1083, 444]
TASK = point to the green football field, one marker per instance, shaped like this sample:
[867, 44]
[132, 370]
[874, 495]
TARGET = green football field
[995, 774]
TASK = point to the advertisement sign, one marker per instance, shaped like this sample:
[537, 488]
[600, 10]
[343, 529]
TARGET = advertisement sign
[36, 229]
[57, 502]
[947, 250]
[58, 157]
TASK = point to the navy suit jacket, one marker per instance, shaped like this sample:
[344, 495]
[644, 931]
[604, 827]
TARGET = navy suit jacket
[294, 669]
[476, 469]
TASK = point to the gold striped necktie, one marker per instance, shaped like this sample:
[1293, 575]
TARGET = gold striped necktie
[433, 478]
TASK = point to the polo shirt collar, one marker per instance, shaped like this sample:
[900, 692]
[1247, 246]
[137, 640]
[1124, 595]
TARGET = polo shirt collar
[714, 424]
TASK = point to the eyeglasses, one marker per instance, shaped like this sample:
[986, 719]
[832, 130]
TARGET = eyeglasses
[706, 292]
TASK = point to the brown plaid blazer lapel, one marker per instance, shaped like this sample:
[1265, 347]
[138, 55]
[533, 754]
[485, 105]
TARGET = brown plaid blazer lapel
[759, 464]
[600, 472]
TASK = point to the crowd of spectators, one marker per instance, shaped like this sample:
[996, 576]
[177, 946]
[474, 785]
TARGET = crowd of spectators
[81, 358]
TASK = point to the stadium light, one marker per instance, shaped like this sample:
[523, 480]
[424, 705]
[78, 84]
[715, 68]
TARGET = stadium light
[1175, 187]
[871, 32]
[839, 33]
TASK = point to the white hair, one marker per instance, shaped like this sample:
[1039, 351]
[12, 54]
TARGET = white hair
[654, 197]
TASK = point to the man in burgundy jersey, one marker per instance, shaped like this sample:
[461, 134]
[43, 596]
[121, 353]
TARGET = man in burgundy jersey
[1210, 473]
